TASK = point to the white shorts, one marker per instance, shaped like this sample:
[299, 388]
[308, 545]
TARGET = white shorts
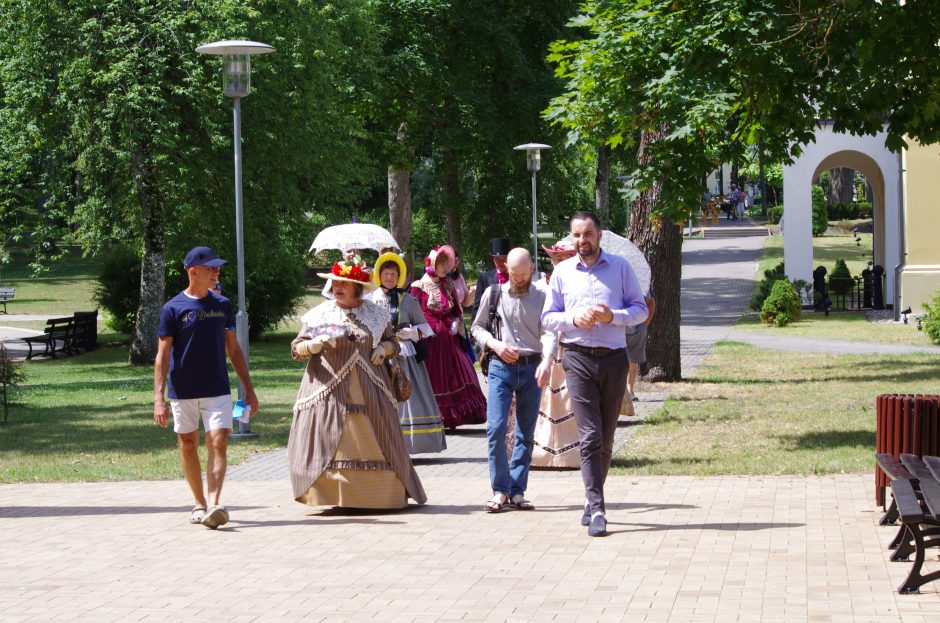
[216, 413]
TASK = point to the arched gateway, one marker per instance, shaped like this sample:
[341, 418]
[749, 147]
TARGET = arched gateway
[881, 167]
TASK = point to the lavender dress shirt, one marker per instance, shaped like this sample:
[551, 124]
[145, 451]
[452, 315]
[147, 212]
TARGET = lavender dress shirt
[574, 286]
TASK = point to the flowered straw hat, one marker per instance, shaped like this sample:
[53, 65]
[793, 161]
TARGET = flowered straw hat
[353, 270]
[390, 257]
[562, 247]
[449, 254]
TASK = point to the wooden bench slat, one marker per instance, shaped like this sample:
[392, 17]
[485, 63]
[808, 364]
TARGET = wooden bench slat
[916, 466]
[933, 464]
[892, 467]
[908, 506]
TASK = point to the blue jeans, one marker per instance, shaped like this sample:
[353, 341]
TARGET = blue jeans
[504, 380]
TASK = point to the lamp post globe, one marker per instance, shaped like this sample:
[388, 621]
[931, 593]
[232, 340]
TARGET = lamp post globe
[533, 157]
[236, 84]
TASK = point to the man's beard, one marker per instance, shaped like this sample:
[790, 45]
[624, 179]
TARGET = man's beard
[589, 254]
[520, 289]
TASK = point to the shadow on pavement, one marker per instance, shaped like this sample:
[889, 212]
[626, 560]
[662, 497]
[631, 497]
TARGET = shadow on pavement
[8, 512]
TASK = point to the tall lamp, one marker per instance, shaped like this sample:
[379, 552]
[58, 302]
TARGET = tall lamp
[236, 84]
[533, 157]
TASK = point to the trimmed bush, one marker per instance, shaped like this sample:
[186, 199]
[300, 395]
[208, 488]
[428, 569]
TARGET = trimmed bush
[932, 321]
[782, 306]
[764, 287]
[849, 211]
[820, 212]
[840, 279]
[117, 290]
[774, 214]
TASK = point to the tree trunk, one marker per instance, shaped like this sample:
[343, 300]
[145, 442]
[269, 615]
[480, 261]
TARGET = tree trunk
[399, 205]
[842, 185]
[143, 349]
[602, 184]
[451, 200]
[661, 243]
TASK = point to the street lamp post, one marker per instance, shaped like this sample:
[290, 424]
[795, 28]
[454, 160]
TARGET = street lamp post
[533, 158]
[236, 84]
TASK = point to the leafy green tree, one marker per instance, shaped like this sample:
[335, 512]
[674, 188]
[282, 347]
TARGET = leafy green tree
[117, 130]
[451, 108]
[690, 84]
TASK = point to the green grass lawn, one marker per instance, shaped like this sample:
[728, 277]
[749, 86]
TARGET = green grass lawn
[826, 250]
[852, 326]
[751, 411]
[64, 289]
[90, 417]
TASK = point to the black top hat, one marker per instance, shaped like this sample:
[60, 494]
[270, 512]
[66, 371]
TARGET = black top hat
[499, 246]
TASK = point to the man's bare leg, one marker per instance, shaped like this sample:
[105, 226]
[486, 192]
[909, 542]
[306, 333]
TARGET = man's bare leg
[217, 445]
[192, 470]
[631, 378]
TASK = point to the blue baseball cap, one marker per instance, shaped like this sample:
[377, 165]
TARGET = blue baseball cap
[202, 256]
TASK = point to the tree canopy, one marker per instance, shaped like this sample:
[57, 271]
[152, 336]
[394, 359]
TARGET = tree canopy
[719, 75]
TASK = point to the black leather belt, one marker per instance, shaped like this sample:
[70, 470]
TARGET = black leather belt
[524, 361]
[594, 351]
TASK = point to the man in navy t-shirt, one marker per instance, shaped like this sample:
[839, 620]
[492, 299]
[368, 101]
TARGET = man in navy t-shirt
[197, 329]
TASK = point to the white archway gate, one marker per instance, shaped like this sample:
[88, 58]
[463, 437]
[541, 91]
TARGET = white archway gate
[867, 155]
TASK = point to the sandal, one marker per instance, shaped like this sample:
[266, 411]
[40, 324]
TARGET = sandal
[217, 516]
[521, 503]
[497, 503]
[198, 513]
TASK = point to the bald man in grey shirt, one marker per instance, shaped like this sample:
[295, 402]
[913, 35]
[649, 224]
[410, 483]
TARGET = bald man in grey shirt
[517, 367]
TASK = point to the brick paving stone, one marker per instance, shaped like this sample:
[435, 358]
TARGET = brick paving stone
[810, 549]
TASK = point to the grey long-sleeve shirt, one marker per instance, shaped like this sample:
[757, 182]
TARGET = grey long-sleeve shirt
[521, 321]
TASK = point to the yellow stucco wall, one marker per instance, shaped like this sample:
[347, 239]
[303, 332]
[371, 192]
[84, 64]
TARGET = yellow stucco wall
[920, 277]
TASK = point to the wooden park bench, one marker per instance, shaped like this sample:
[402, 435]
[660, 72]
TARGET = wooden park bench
[66, 335]
[6, 295]
[915, 487]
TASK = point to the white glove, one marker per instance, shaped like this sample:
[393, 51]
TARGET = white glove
[454, 327]
[378, 355]
[408, 333]
[313, 346]
[308, 348]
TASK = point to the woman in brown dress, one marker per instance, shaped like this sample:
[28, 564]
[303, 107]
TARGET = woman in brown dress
[345, 447]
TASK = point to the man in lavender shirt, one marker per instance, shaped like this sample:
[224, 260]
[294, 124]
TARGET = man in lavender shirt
[593, 296]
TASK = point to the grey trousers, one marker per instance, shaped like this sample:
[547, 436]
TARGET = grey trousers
[596, 386]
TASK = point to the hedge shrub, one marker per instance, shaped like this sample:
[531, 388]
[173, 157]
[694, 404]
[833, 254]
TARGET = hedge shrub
[766, 284]
[782, 306]
[840, 279]
[774, 214]
[932, 321]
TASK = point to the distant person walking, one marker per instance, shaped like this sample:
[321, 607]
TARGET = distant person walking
[636, 346]
[197, 330]
[499, 249]
[592, 298]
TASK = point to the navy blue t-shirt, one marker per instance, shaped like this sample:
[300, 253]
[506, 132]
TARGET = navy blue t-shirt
[197, 359]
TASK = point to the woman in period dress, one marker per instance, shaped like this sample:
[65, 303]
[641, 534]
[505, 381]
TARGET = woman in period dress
[453, 378]
[557, 442]
[419, 416]
[345, 446]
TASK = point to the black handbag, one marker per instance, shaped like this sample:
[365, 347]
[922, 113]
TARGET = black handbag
[494, 326]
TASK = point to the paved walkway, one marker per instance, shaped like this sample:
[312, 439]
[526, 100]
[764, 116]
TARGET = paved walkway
[681, 548]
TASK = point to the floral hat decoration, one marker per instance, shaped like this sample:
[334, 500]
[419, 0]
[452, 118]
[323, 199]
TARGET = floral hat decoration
[353, 270]
[562, 247]
[431, 260]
